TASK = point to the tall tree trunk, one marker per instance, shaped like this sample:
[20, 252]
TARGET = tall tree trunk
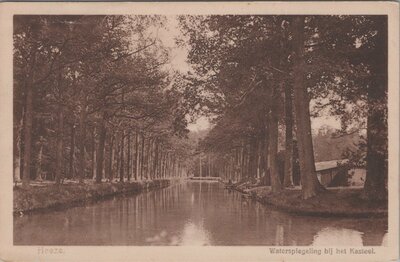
[129, 157]
[18, 149]
[155, 163]
[136, 155]
[121, 161]
[149, 157]
[152, 158]
[252, 159]
[160, 161]
[276, 184]
[165, 164]
[247, 162]
[28, 121]
[174, 172]
[146, 157]
[288, 175]
[72, 153]
[377, 126]
[100, 148]
[142, 157]
[309, 181]
[258, 159]
[94, 151]
[159, 171]
[110, 157]
[82, 138]
[117, 154]
[242, 165]
[200, 167]
[26, 177]
[236, 165]
[39, 163]
[169, 160]
[209, 165]
[59, 154]
[267, 176]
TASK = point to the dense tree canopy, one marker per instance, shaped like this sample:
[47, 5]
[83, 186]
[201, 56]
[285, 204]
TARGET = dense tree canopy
[92, 99]
[265, 78]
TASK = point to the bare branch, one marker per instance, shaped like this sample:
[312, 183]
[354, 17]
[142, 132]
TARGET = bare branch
[135, 52]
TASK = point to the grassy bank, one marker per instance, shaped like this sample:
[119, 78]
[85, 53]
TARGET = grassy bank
[340, 202]
[50, 196]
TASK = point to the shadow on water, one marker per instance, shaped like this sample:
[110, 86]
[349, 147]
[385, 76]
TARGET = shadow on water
[192, 213]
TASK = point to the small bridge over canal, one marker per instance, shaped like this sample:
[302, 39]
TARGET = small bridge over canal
[205, 178]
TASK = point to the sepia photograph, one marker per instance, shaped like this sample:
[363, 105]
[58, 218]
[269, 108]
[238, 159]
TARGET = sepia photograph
[237, 130]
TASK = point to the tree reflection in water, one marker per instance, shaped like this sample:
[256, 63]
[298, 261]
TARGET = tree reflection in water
[192, 213]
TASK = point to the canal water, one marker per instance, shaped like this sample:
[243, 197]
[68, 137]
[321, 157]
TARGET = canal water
[191, 213]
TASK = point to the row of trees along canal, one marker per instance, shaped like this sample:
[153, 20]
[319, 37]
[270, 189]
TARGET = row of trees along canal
[256, 76]
[93, 99]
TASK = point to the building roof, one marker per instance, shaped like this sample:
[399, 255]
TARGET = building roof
[319, 166]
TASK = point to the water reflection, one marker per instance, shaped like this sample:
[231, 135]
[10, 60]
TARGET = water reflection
[193, 213]
[338, 237]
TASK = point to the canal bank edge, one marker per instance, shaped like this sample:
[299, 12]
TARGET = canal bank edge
[48, 197]
[332, 203]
